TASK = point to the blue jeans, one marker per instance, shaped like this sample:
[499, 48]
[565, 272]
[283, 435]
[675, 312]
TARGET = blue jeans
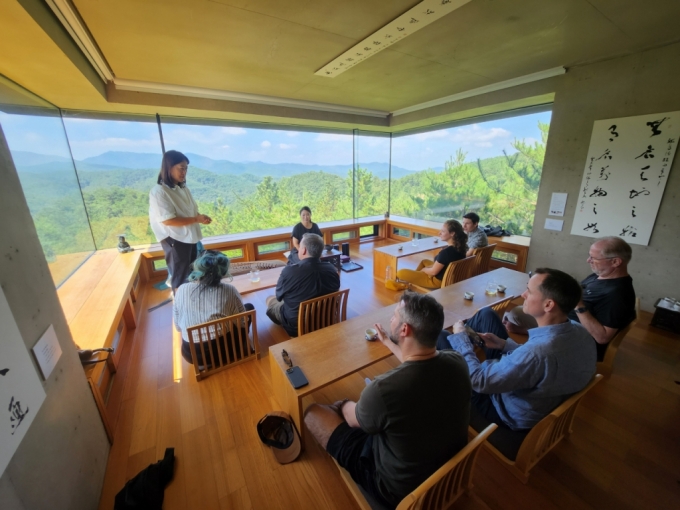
[484, 321]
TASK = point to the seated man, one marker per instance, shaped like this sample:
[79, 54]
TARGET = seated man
[409, 421]
[519, 389]
[476, 236]
[308, 279]
[608, 301]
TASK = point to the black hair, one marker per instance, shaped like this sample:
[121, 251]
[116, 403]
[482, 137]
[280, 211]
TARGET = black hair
[305, 208]
[561, 287]
[170, 159]
[425, 315]
[473, 217]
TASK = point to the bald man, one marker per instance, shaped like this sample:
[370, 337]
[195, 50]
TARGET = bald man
[608, 301]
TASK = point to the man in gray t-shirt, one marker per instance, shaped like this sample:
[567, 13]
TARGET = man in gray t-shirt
[409, 421]
[476, 236]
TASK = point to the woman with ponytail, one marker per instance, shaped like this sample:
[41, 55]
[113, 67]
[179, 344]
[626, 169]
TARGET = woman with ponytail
[430, 273]
[205, 298]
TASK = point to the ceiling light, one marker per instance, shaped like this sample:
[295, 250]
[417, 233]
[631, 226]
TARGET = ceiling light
[408, 23]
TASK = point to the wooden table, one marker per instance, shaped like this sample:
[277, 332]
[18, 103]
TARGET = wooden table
[332, 256]
[268, 279]
[390, 255]
[333, 353]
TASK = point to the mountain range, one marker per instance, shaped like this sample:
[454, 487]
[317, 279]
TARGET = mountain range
[114, 160]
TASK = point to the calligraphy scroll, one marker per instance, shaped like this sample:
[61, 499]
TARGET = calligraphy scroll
[21, 393]
[628, 163]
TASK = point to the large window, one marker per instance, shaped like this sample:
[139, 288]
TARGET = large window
[117, 163]
[372, 175]
[492, 168]
[249, 179]
[40, 152]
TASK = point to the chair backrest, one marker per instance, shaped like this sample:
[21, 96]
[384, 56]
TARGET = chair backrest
[458, 271]
[483, 258]
[550, 430]
[500, 307]
[446, 484]
[605, 366]
[323, 311]
[223, 343]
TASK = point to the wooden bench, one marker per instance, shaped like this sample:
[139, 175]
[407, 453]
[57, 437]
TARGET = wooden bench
[101, 302]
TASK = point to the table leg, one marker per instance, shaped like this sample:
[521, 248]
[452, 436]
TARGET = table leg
[380, 263]
[286, 396]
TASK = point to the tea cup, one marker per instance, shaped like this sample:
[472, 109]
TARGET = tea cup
[469, 295]
[501, 288]
[371, 334]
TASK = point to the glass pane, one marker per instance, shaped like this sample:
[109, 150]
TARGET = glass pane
[492, 168]
[343, 236]
[250, 179]
[272, 247]
[401, 232]
[371, 230]
[236, 253]
[41, 155]
[372, 177]
[117, 163]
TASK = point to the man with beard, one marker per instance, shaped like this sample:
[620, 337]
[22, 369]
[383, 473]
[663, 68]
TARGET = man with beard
[409, 421]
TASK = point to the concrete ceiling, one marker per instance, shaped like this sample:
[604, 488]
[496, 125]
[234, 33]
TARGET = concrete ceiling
[273, 48]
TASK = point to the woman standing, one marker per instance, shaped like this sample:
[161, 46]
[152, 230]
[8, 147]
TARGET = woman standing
[174, 217]
[304, 227]
[430, 273]
[206, 298]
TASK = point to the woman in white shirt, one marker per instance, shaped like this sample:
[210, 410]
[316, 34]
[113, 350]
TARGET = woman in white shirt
[174, 217]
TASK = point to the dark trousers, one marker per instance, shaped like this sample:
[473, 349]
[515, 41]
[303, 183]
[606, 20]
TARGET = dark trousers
[178, 256]
[484, 321]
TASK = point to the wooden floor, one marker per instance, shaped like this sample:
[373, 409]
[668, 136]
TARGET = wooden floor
[624, 452]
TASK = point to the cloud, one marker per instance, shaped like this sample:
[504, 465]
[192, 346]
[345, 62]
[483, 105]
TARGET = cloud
[234, 130]
[332, 137]
[477, 135]
[292, 134]
[285, 146]
[266, 144]
[442, 133]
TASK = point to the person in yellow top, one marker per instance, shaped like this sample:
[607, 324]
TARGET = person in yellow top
[430, 273]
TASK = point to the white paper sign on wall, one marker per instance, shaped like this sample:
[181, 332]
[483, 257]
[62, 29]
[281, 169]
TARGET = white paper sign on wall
[21, 392]
[628, 163]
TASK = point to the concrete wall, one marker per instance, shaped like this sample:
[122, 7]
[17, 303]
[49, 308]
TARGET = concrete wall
[60, 464]
[637, 84]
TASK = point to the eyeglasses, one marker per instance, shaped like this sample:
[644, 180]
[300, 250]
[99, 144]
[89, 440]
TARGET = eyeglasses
[601, 258]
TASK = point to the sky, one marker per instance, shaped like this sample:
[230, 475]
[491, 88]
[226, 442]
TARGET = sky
[89, 137]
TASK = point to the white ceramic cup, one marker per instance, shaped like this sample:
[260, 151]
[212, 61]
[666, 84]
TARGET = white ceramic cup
[469, 295]
[501, 288]
[371, 334]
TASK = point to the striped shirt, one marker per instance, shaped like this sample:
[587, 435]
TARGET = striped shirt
[193, 306]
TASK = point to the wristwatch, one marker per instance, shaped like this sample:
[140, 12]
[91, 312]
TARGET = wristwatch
[581, 309]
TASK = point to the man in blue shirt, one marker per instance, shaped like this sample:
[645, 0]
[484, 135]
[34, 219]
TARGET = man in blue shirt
[522, 384]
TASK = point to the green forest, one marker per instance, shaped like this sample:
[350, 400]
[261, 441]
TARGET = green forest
[502, 190]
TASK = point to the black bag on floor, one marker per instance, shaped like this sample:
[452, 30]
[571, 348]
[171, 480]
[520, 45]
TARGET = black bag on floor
[146, 490]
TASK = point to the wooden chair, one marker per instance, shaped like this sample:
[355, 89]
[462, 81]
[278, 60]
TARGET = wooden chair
[544, 436]
[236, 347]
[605, 366]
[500, 307]
[483, 258]
[442, 488]
[323, 311]
[456, 272]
